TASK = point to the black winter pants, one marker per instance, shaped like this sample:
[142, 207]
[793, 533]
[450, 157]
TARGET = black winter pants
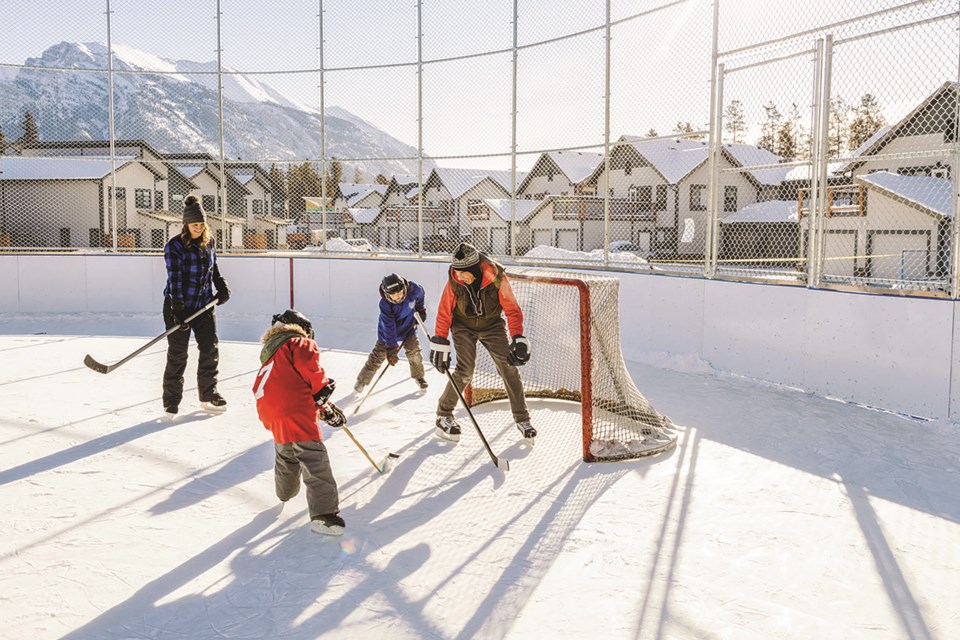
[205, 329]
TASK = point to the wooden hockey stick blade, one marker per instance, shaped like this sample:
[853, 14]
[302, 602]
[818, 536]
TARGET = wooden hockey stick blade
[96, 366]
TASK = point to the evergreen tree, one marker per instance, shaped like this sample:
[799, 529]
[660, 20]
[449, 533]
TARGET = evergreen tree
[302, 180]
[3, 142]
[683, 128]
[381, 179]
[651, 133]
[867, 120]
[335, 177]
[357, 175]
[769, 128]
[30, 132]
[838, 131]
[735, 123]
[278, 184]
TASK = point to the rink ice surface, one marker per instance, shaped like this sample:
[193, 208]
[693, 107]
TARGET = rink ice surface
[779, 514]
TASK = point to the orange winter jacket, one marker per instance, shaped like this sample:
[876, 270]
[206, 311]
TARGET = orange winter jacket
[461, 306]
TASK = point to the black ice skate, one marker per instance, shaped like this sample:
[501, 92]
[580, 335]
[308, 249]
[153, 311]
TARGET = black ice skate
[529, 433]
[448, 428]
[213, 402]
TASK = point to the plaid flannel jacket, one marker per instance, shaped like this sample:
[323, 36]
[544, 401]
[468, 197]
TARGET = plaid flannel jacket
[189, 272]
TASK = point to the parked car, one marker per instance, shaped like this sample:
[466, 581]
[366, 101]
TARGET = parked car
[626, 246]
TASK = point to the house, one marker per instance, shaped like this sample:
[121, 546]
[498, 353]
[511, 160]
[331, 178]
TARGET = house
[204, 173]
[67, 202]
[561, 173]
[897, 224]
[263, 230]
[490, 220]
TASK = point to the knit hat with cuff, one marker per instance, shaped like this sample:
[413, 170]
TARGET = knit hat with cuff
[193, 210]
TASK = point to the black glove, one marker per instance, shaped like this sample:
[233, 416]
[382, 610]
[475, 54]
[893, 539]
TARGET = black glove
[332, 415]
[422, 312]
[223, 289]
[223, 293]
[179, 313]
[321, 397]
[440, 353]
[519, 351]
[393, 355]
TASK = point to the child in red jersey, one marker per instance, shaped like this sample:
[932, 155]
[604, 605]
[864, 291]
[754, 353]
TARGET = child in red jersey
[293, 395]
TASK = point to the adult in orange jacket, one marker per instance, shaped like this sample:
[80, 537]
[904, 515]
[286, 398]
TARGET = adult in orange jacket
[293, 395]
[474, 300]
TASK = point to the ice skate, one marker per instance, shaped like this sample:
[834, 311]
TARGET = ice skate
[448, 428]
[529, 433]
[329, 524]
[170, 412]
[422, 383]
[213, 402]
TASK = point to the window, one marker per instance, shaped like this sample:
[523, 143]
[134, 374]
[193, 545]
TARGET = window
[729, 199]
[121, 192]
[698, 193]
[258, 207]
[208, 202]
[661, 204]
[143, 198]
[158, 199]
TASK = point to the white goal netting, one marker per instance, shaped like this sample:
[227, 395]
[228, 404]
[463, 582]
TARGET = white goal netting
[572, 321]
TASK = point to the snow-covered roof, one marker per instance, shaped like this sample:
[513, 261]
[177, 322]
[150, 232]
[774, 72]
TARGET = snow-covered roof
[227, 218]
[363, 215]
[576, 165]
[190, 170]
[459, 181]
[769, 211]
[501, 206]
[801, 172]
[927, 192]
[674, 159]
[862, 149]
[163, 216]
[747, 155]
[354, 192]
[39, 168]
[274, 220]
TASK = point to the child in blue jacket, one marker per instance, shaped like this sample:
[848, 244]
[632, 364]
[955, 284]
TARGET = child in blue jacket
[399, 300]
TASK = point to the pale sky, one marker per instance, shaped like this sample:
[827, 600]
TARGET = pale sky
[660, 60]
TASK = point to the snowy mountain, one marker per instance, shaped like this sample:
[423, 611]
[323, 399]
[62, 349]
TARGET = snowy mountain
[176, 110]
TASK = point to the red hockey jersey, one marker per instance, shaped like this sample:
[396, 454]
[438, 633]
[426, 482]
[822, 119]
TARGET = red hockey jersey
[284, 389]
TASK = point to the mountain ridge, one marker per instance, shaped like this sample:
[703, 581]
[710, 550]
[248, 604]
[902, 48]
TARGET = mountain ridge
[173, 106]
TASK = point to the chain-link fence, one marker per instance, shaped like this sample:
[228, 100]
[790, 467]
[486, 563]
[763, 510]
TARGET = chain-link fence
[751, 141]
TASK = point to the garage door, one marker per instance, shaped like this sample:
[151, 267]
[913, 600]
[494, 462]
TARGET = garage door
[899, 256]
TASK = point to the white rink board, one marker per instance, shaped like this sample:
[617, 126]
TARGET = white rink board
[893, 352]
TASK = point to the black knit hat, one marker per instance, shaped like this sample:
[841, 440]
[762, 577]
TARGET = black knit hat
[193, 210]
[465, 256]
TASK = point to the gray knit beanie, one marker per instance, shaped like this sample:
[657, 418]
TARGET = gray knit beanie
[193, 210]
[465, 257]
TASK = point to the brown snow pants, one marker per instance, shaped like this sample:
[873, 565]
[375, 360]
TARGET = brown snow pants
[309, 459]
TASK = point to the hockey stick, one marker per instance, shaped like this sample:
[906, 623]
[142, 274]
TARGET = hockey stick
[382, 467]
[499, 463]
[370, 390]
[107, 368]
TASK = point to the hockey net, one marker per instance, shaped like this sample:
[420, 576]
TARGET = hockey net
[572, 321]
